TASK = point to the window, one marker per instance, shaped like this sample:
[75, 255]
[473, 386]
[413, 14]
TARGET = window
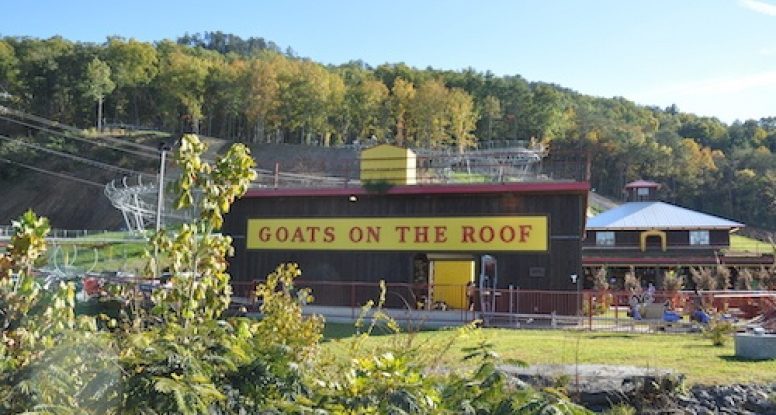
[642, 191]
[604, 238]
[699, 237]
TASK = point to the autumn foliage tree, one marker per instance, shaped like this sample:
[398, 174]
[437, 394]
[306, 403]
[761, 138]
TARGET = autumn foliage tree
[248, 90]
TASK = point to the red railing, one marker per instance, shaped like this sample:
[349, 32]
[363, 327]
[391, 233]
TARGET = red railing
[586, 309]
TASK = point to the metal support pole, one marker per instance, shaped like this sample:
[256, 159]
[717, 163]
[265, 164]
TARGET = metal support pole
[163, 148]
[277, 174]
[579, 294]
[590, 312]
[160, 199]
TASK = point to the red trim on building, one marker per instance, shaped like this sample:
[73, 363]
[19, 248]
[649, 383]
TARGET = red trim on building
[642, 183]
[539, 187]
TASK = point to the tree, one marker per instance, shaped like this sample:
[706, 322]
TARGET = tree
[428, 115]
[200, 285]
[515, 96]
[248, 89]
[545, 118]
[8, 70]
[402, 95]
[463, 119]
[98, 84]
[226, 86]
[182, 79]
[709, 132]
[363, 108]
[40, 365]
[491, 107]
[133, 66]
[226, 43]
[308, 95]
[263, 93]
[43, 87]
[693, 164]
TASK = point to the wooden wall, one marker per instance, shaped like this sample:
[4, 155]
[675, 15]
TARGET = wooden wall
[566, 223]
[631, 239]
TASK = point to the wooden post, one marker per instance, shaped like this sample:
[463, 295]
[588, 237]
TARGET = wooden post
[353, 300]
[590, 312]
[277, 173]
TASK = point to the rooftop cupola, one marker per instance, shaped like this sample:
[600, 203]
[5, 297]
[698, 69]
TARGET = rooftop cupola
[641, 191]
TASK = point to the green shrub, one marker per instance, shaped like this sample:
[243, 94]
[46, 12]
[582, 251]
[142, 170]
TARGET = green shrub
[183, 356]
[719, 331]
[621, 409]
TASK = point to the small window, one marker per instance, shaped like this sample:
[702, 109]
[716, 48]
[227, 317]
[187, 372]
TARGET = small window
[699, 237]
[604, 238]
[642, 191]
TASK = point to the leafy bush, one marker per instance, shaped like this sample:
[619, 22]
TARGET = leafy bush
[744, 279]
[719, 331]
[673, 282]
[654, 394]
[722, 275]
[632, 283]
[182, 356]
[597, 305]
[767, 277]
[602, 301]
[600, 281]
[704, 279]
[621, 409]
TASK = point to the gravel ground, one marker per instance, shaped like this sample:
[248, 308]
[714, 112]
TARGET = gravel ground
[649, 390]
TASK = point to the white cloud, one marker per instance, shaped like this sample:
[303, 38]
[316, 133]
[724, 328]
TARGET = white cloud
[768, 51]
[715, 86]
[743, 97]
[759, 6]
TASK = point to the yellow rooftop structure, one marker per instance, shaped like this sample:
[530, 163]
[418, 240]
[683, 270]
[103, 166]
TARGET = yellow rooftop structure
[388, 164]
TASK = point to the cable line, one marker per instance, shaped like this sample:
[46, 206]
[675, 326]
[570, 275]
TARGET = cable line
[91, 162]
[76, 130]
[60, 175]
[92, 142]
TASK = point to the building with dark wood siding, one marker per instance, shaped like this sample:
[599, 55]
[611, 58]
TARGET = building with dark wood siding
[648, 237]
[563, 204]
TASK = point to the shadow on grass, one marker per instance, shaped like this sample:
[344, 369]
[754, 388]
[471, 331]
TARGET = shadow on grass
[702, 346]
[736, 359]
[335, 331]
[613, 336]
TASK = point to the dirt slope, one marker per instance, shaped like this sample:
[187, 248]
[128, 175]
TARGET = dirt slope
[73, 205]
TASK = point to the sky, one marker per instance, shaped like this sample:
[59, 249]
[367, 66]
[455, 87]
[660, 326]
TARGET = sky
[711, 57]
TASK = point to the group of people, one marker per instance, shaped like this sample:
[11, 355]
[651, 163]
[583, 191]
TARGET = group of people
[697, 311]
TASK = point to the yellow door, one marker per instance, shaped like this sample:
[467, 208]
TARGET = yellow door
[450, 280]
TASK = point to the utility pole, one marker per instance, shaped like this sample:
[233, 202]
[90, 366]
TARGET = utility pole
[99, 114]
[164, 147]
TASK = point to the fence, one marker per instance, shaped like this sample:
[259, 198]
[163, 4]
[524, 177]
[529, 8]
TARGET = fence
[515, 307]
[6, 232]
[434, 167]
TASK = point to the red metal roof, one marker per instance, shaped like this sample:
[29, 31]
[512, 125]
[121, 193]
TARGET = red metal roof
[641, 183]
[535, 187]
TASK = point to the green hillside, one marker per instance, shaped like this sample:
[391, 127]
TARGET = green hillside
[742, 243]
[248, 90]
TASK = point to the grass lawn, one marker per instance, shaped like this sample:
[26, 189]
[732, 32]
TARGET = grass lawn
[742, 243]
[463, 177]
[690, 354]
[111, 255]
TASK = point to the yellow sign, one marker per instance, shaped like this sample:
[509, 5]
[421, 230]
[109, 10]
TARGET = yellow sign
[494, 233]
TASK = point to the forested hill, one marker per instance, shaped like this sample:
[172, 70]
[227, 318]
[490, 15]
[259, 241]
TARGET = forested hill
[249, 90]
